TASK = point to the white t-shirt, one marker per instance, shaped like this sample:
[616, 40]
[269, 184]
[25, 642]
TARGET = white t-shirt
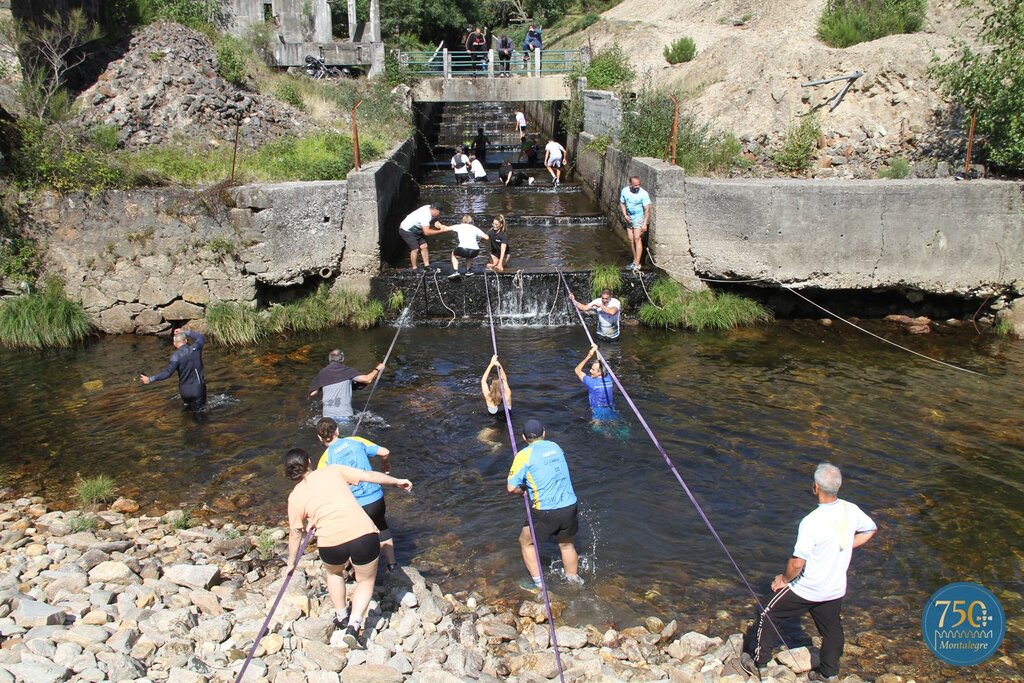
[607, 325]
[553, 150]
[417, 219]
[468, 235]
[521, 119]
[478, 170]
[460, 170]
[825, 543]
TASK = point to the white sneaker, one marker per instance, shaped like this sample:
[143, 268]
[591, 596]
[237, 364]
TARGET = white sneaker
[532, 180]
[574, 579]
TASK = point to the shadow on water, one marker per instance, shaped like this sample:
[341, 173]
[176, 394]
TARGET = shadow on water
[933, 455]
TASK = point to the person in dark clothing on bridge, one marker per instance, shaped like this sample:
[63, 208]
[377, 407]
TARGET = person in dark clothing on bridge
[187, 359]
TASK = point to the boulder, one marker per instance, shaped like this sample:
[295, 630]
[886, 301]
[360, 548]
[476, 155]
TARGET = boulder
[30, 613]
[181, 310]
[192, 576]
[112, 571]
[38, 672]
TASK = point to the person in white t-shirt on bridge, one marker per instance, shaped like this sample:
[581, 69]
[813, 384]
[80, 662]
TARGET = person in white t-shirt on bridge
[815, 577]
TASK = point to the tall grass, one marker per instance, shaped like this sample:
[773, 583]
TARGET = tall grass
[605, 277]
[847, 22]
[674, 307]
[43, 319]
[235, 324]
[96, 489]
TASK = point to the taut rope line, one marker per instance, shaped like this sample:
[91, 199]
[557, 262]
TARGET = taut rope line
[526, 494]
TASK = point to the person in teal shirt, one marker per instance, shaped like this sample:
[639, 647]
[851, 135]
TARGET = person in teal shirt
[636, 209]
[540, 469]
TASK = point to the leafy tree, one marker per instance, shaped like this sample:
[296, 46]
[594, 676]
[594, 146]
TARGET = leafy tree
[990, 81]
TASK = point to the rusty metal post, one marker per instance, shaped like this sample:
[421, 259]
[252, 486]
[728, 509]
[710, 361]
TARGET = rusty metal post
[234, 154]
[970, 144]
[355, 135]
[675, 127]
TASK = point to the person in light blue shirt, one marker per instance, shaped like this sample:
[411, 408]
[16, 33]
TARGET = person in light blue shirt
[636, 209]
[541, 470]
[600, 389]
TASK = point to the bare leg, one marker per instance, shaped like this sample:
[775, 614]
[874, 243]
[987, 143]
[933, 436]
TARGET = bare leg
[529, 555]
[387, 547]
[366, 577]
[637, 240]
[412, 259]
[455, 263]
[570, 559]
[426, 255]
[336, 586]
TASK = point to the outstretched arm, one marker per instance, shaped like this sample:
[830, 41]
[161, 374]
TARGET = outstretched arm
[164, 374]
[590, 354]
[370, 376]
[484, 389]
[354, 476]
[504, 383]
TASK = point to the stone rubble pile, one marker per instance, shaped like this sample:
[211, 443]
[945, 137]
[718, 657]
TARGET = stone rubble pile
[137, 598]
[166, 89]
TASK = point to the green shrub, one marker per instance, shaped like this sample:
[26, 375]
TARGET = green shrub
[898, 168]
[797, 148]
[322, 156]
[286, 91]
[396, 301]
[680, 50]
[231, 60]
[98, 489]
[605, 277]
[1003, 326]
[79, 523]
[609, 68]
[183, 520]
[671, 306]
[666, 306]
[847, 22]
[201, 15]
[43, 319]
[599, 145]
[221, 246]
[105, 137]
[19, 258]
[235, 324]
[265, 544]
[586, 21]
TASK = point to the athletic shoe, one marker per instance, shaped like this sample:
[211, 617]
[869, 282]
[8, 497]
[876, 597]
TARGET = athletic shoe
[532, 180]
[469, 273]
[351, 638]
[428, 268]
[392, 568]
[637, 268]
[815, 675]
[341, 624]
[455, 276]
[751, 668]
[529, 585]
[631, 266]
[574, 579]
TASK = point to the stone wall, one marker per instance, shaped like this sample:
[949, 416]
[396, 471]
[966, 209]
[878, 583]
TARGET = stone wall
[602, 113]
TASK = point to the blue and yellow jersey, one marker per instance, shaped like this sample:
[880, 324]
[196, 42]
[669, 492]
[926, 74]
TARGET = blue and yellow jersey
[354, 451]
[542, 467]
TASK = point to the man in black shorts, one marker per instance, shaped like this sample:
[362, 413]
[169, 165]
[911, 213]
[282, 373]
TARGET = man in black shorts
[540, 469]
[416, 227]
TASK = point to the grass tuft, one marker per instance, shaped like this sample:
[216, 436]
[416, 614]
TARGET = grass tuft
[848, 22]
[396, 301]
[235, 324]
[98, 489]
[674, 307]
[605, 277]
[79, 523]
[265, 544]
[897, 168]
[43, 319]
[183, 520]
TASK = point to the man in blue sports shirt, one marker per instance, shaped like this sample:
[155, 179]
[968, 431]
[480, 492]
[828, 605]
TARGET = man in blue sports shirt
[540, 469]
[636, 209]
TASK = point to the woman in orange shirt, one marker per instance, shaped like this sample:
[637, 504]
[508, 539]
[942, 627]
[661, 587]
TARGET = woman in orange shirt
[344, 532]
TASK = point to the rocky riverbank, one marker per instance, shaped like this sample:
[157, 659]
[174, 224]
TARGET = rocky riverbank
[104, 595]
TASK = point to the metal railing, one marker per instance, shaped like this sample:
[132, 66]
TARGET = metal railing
[461, 64]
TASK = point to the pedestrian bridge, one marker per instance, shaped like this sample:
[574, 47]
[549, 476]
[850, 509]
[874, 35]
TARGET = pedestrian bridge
[457, 76]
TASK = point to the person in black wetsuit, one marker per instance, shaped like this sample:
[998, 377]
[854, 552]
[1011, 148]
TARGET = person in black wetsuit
[187, 359]
[509, 176]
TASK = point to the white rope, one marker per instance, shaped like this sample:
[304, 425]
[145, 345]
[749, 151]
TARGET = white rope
[442, 300]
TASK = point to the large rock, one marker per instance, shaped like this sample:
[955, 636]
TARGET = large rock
[318, 630]
[37, 672]
[326, 657]
[193, 576]
[539, 663]
[797, 660]
[30, 613]
[112, 571]
[120, 667]
[181, 310]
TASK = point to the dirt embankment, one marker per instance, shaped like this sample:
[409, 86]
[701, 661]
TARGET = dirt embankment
[753, 57]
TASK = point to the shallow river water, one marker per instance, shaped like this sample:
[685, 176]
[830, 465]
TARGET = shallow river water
[935, 456]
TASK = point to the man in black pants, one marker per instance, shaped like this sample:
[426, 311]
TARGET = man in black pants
[187, 359]
[815, 577]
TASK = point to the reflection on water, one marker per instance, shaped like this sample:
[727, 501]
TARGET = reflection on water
[933, 455]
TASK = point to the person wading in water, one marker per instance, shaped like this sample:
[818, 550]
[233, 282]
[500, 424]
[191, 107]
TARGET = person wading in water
[187, 360]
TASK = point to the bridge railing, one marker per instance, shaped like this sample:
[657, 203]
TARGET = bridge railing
[461, 64]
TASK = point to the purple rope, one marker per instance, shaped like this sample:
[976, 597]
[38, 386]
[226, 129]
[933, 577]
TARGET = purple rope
[526, 493]
[280, 594]
[671, 466]
[387, 355]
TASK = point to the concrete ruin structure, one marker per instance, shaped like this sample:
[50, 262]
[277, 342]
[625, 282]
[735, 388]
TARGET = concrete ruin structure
[303, 27]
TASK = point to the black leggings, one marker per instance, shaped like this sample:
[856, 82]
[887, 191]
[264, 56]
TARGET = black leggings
[362, 550]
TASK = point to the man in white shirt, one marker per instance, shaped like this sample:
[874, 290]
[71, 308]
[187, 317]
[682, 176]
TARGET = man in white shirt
[521, 124]
[415, 229]
[608, 310]
[477, 169]
[460, 164]
[555, 157]
[468, 247]
[815, 577]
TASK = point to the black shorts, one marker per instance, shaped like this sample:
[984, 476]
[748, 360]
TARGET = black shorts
[362, 550]
[462, 252]
[413, 240]
[562, 523]
[461, 178]
[375, 511]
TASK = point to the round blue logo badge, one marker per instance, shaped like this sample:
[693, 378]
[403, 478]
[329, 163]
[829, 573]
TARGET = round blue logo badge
[963, 624]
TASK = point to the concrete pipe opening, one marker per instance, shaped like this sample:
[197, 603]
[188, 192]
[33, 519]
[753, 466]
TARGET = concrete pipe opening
[326, 272]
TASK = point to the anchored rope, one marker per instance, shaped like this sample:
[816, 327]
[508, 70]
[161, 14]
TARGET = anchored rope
[402, 319]
[646, 293]
[526, 493]
[438, 287]
[671, 465]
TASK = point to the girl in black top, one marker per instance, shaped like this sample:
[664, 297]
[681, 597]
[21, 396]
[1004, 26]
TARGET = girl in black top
[499, 244]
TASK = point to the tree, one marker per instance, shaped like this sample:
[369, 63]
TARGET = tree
[48, 51]
[989, 81]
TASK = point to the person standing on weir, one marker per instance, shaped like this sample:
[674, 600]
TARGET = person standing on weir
[635, 204]
[608, 310]
[344, 533]
[540, 469]
[468, 247]
[555, 157]
[416, 227]
[187, 361]
[815, 577]
[336, 380]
